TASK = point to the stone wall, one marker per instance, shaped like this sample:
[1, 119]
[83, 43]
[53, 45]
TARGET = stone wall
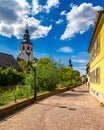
[12, 108]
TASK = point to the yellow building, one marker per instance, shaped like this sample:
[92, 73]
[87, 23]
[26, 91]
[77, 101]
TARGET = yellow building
[96, 50]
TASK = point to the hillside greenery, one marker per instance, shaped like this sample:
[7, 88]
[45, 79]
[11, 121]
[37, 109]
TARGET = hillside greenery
[47, 74]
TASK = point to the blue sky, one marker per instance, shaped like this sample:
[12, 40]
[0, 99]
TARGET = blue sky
[61, 29]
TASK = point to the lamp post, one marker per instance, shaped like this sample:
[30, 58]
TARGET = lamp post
[35, 94]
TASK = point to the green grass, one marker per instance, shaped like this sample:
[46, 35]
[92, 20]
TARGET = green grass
[42, 92]
[20, 92]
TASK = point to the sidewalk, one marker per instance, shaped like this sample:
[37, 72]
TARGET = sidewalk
[71, 110]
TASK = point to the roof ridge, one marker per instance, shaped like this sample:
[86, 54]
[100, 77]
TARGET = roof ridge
[6, 54]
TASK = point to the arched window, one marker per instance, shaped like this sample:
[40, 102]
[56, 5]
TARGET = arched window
[23, 47]
[28, 48]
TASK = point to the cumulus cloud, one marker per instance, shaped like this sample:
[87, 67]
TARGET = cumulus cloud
[36, 29]
[50, 4]
[63, 13]
[79, 19]
[59, 21]
[65, 49]
[36, 7]
[13, 17]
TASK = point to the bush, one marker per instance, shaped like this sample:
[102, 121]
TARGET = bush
[10, 76]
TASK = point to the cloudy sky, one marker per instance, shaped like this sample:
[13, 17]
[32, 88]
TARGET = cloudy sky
[60, 29]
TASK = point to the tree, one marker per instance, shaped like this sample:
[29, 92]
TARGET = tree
[22, 63]
[47, 74]
[10, 76]
[75, 77]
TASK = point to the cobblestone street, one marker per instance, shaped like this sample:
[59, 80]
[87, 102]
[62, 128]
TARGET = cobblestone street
[71, 110]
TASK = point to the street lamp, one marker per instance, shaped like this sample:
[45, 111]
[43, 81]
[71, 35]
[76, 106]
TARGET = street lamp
[35, 94]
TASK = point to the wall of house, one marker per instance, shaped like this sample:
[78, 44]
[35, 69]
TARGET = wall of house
[97, 89]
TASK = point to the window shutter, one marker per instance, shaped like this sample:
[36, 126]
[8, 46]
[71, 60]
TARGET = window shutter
[99, 75]
[98, 40]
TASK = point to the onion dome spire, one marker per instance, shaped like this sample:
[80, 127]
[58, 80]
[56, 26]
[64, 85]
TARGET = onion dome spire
[26, 37]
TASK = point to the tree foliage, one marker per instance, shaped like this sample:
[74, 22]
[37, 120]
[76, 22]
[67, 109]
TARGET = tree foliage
[46, 74]
[10, 76]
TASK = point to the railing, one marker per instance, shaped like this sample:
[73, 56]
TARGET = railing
[14, 98]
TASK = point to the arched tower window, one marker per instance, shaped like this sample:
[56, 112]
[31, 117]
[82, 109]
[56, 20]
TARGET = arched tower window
[28, 48]
[23, 47]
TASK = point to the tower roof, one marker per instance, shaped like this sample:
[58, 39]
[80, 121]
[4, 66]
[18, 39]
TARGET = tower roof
[70, 64]
[26, 37]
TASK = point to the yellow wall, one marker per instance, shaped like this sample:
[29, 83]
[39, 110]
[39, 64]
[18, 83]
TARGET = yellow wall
[99, 62]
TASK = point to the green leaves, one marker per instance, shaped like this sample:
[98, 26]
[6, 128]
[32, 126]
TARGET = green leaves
[46, 74]
[10, 76]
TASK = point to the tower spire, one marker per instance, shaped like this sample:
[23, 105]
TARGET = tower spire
[26, 25]
[26, 37]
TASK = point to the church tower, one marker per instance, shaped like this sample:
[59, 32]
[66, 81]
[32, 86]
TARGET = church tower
[26, 48]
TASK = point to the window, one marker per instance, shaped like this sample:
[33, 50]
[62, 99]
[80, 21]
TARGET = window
[96, 48]
[28, 48]
[95, 76]
[23, 47]
[98, 43]
[99, 75]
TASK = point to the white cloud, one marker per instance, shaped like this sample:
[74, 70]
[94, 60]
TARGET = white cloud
[80, 18]
[79, 60]
[59, 21]
[63, 12]
[13, 17]
[36, 7]
[65, 50]
[50, 4]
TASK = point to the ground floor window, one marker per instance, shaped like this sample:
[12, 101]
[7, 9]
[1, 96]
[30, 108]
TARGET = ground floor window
[95, 75]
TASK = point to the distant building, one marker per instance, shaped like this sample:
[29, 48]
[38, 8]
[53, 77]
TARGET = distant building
[82, 79]
[88, 74]
[7, 60]
[96, 50]
[26, 48]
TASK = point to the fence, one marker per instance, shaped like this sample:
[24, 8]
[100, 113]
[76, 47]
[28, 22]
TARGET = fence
[6, 98]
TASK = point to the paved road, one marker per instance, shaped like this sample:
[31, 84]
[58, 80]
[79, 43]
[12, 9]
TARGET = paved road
[71, 110]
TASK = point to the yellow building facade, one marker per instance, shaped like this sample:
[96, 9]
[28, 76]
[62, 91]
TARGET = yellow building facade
[96, 50]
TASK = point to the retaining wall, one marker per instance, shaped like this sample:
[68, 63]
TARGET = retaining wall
[12, 108]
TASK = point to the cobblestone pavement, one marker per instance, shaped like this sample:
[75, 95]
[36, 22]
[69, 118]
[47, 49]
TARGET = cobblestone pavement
[71, 110]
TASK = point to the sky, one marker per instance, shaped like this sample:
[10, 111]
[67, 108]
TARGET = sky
[61, 29]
